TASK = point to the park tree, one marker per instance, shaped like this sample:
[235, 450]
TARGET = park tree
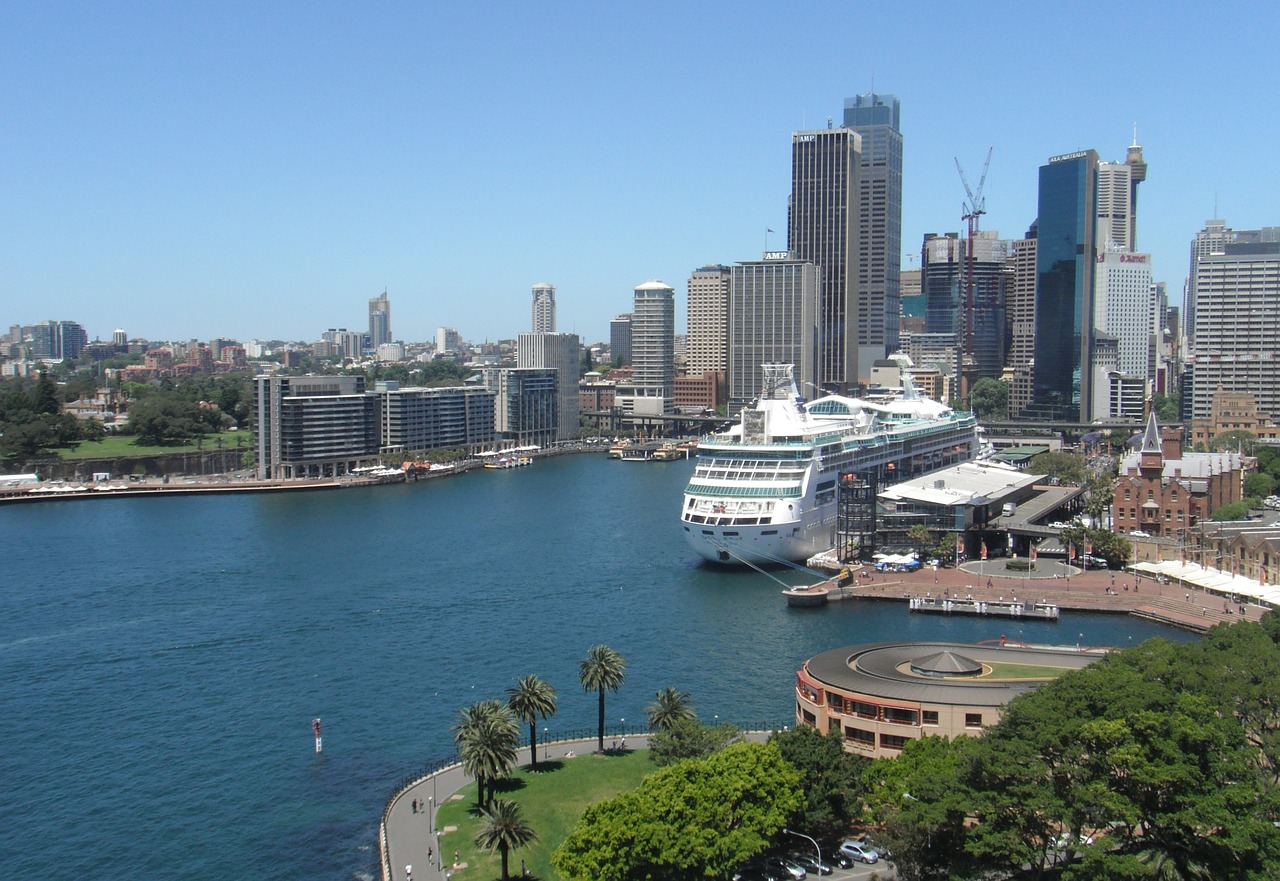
[165, 418]
[697, 819]
[830, 779]
[486, 736]
[990, 399]
[1245, 442]
[1259, 485]
[1231, 511]
[690, 739]
[922, 804]
[1166, 409]
[1066, 467]
[603, 669]
[531, 699]
[670, 706]
[502, 828]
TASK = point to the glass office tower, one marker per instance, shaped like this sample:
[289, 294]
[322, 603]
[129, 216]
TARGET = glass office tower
[1065, 257]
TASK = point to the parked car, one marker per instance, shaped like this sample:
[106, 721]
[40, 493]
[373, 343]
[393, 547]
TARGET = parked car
[859, 852]
[1065, 840]
[785, 868]
[811, 864]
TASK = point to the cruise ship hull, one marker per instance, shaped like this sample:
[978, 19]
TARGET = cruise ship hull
[795, 541]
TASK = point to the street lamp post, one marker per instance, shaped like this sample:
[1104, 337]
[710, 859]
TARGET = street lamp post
[546, 747]
[802, 835]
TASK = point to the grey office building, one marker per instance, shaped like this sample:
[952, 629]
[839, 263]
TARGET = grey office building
[773, 319]
[620, 339]
[823, 229]
[876, 117]
[558, 351]
[419, 419]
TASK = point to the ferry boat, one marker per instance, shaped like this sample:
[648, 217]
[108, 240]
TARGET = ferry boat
[765, 490]
[509, 462]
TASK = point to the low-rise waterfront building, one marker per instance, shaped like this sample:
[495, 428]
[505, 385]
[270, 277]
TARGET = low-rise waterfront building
[878, 698]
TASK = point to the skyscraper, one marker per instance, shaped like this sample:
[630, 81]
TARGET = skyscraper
[558, 351]
[1065, 256]
[651, 389]
[773, 306]
[823, 229]
[707, 347]
[544, 308]
[1237, 323]
[945, 276]
[379, 321]
[620, 339]
[875, 117]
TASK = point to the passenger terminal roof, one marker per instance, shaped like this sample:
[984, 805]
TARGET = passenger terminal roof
[967, 484]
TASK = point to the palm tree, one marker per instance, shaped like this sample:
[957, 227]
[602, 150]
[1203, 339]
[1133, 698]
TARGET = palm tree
[670, 707]
[532, 697]
[486, 736]
[603, 668]
[503, 829]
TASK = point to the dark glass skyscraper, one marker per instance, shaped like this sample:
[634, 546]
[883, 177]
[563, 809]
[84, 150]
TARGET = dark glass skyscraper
[1065, 256]
[875, 117]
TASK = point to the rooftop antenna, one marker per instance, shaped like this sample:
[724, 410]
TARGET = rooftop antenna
[1135, 134]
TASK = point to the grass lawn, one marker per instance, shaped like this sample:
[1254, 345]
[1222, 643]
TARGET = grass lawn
[122, 446]
[1024, 671]
[551, 801]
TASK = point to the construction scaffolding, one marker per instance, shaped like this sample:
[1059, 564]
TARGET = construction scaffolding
[856, 516]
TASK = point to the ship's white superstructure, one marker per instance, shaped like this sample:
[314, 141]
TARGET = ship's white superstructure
[765, 490]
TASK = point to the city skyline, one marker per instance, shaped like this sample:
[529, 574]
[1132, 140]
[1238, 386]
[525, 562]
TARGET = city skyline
[241, 172]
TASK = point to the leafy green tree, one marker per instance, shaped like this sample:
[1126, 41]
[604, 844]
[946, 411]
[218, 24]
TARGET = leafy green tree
[1066, 467]
[990, 399]
[690, 739]
[1259, 485]
[504, 829]
[531, 699]
[669, 707]
[921, 802]
[920, 536]
[603, 669]
[830, 778]
[1232, 511]
[697, 819]
[47, 400]
[486, 736]
[1244, 441]
[1166, 409]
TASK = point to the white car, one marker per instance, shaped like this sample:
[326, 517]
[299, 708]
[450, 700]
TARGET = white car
[856, 850]
[1065, 840]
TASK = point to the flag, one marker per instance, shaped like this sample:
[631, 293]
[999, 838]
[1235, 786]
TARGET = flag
[984, 550]
[959, 546]
[766, 229]
[1071, 552]
[1033, 553]
[1088, 546]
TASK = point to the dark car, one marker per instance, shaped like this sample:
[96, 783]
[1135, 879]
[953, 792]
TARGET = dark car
[811, 864]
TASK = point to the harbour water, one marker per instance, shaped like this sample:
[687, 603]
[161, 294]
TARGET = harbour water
[161, 660]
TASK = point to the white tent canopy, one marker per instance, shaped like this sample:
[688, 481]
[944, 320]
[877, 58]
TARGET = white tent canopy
[1212, 579]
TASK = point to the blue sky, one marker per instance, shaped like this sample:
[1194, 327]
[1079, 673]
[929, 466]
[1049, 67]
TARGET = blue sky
[261, 169]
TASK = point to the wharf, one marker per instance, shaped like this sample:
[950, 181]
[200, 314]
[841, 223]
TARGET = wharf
[47, 493]
[980, 607]
[1098, 590]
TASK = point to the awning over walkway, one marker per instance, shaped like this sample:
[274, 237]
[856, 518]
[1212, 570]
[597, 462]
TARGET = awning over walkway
[1211, 579]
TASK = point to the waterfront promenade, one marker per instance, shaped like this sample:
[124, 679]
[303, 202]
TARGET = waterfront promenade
[1096, 590]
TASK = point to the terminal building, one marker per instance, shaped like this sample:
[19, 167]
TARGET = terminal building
[881, 696]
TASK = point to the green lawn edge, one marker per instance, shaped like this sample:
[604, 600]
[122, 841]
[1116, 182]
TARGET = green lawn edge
[551, 801]
[123, 446]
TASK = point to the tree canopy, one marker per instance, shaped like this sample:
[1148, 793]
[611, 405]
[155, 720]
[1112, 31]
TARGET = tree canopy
[830, 778]
[990, 398]
[700, 818]
[1165, 755]
[1066, 467]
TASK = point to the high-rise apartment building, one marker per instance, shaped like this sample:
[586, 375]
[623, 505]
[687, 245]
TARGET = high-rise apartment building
[773, 319]
[558, 351]
[56, 340]
[1021, 315]
[651, 389]
[823, 229]
[707, 344]
[876, 119]
[1065, 254]
[379, 321]
[544, 308]
[447, 340]
[1237, 323]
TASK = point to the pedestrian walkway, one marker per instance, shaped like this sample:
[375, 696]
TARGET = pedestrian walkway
[409, 838]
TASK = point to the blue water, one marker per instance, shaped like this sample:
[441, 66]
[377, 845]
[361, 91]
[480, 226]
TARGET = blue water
[161, 659]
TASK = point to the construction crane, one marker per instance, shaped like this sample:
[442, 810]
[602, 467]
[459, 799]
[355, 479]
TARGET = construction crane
[971, 211]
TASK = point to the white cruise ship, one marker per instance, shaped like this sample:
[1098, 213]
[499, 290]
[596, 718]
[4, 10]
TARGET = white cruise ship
[765, 490]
